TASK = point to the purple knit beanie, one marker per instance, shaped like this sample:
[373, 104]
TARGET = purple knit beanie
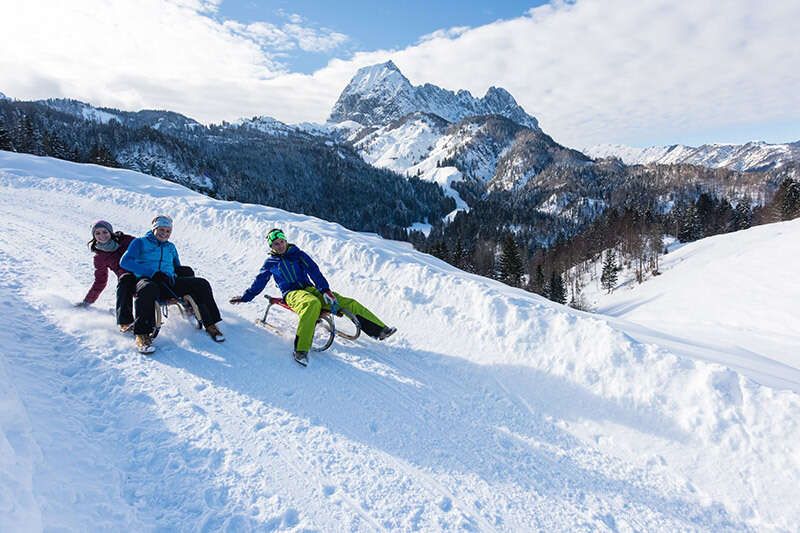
[102, 224]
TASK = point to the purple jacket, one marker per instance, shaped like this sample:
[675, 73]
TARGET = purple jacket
[103, 262]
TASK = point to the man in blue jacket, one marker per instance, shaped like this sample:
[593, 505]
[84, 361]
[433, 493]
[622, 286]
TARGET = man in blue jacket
[155, 262]
[307, 292]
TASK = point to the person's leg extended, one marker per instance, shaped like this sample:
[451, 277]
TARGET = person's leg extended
[307, 306]
[370, 324]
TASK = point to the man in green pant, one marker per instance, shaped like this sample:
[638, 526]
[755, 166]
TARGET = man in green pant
[307, 292]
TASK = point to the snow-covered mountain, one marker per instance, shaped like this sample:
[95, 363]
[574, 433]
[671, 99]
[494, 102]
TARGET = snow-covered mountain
[743, 157]
[491, 410]
[445, 137]
[258, 160]
[267, 125]
[380, 94]
[82, 110]
[4, 97]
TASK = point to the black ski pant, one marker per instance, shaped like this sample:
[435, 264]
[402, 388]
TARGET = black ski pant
[148, 292]
[126, 287]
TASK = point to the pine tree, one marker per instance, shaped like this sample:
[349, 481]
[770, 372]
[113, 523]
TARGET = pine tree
[510, 263]
[790, 204]
[689, 229]
[538, 282]
[54, 147]
[5, 139]
[100, 155]
[24, 134]
[608, 279]
[461, 257]
[556, 290]
[742, 215]
[439, 249]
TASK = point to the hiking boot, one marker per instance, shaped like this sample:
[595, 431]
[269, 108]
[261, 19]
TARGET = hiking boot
[125, 328]
[214, 332]
[386, 333]
[145, 344]
[301, 357]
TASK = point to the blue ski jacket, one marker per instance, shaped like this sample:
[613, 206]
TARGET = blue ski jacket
[292, 270]
[147, 255]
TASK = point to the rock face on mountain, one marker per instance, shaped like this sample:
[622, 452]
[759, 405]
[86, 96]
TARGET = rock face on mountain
[380, 94]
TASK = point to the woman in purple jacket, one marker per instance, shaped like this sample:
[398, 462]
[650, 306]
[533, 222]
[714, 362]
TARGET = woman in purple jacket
[108, 248]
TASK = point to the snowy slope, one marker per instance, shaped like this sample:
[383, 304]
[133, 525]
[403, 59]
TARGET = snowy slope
[490, 410]
[730, 298]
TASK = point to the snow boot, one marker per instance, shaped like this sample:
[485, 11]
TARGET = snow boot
[145, 344]
[125, 328]
[214, 332]
[386, 333]
[301, 357]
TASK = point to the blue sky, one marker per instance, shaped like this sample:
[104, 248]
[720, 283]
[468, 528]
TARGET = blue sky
[370, 25]
[641, 72]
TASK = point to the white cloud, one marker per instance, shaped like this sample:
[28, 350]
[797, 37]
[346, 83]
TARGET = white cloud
[289, 36]
[590, 71]
[449, 33]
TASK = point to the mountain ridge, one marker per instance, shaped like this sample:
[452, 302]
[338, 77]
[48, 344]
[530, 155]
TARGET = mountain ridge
[746, 157]
[379, 94]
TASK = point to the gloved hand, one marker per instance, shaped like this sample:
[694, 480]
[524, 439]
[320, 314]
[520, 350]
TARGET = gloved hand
[329, 298]
[236, 300]
[162, 279]
[83, 303]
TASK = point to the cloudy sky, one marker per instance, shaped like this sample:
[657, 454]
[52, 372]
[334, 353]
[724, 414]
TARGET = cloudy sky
[638, 72]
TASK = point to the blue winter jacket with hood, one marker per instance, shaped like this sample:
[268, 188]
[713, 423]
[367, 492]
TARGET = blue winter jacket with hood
[147, 255]
[292, 270]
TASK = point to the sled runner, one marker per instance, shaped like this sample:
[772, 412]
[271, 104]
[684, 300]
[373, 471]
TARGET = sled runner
[325, 330]
[185, 305]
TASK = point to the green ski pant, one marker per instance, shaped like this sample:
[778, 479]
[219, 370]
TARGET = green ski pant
[308, 304]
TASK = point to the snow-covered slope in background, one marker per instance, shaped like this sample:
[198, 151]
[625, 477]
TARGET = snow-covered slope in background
[730, 298]
[491, 409]
[748, 156]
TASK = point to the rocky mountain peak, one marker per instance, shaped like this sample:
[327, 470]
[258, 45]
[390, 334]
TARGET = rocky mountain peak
[378, 78]
[380, 94]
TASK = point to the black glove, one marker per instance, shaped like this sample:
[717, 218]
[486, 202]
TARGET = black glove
[236, 300]
[162, 279]
[184, 271]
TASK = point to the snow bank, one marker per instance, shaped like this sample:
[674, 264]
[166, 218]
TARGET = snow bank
[730, 299]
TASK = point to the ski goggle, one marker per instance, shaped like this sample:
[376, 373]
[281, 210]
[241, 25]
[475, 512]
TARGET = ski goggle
[273, 235]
